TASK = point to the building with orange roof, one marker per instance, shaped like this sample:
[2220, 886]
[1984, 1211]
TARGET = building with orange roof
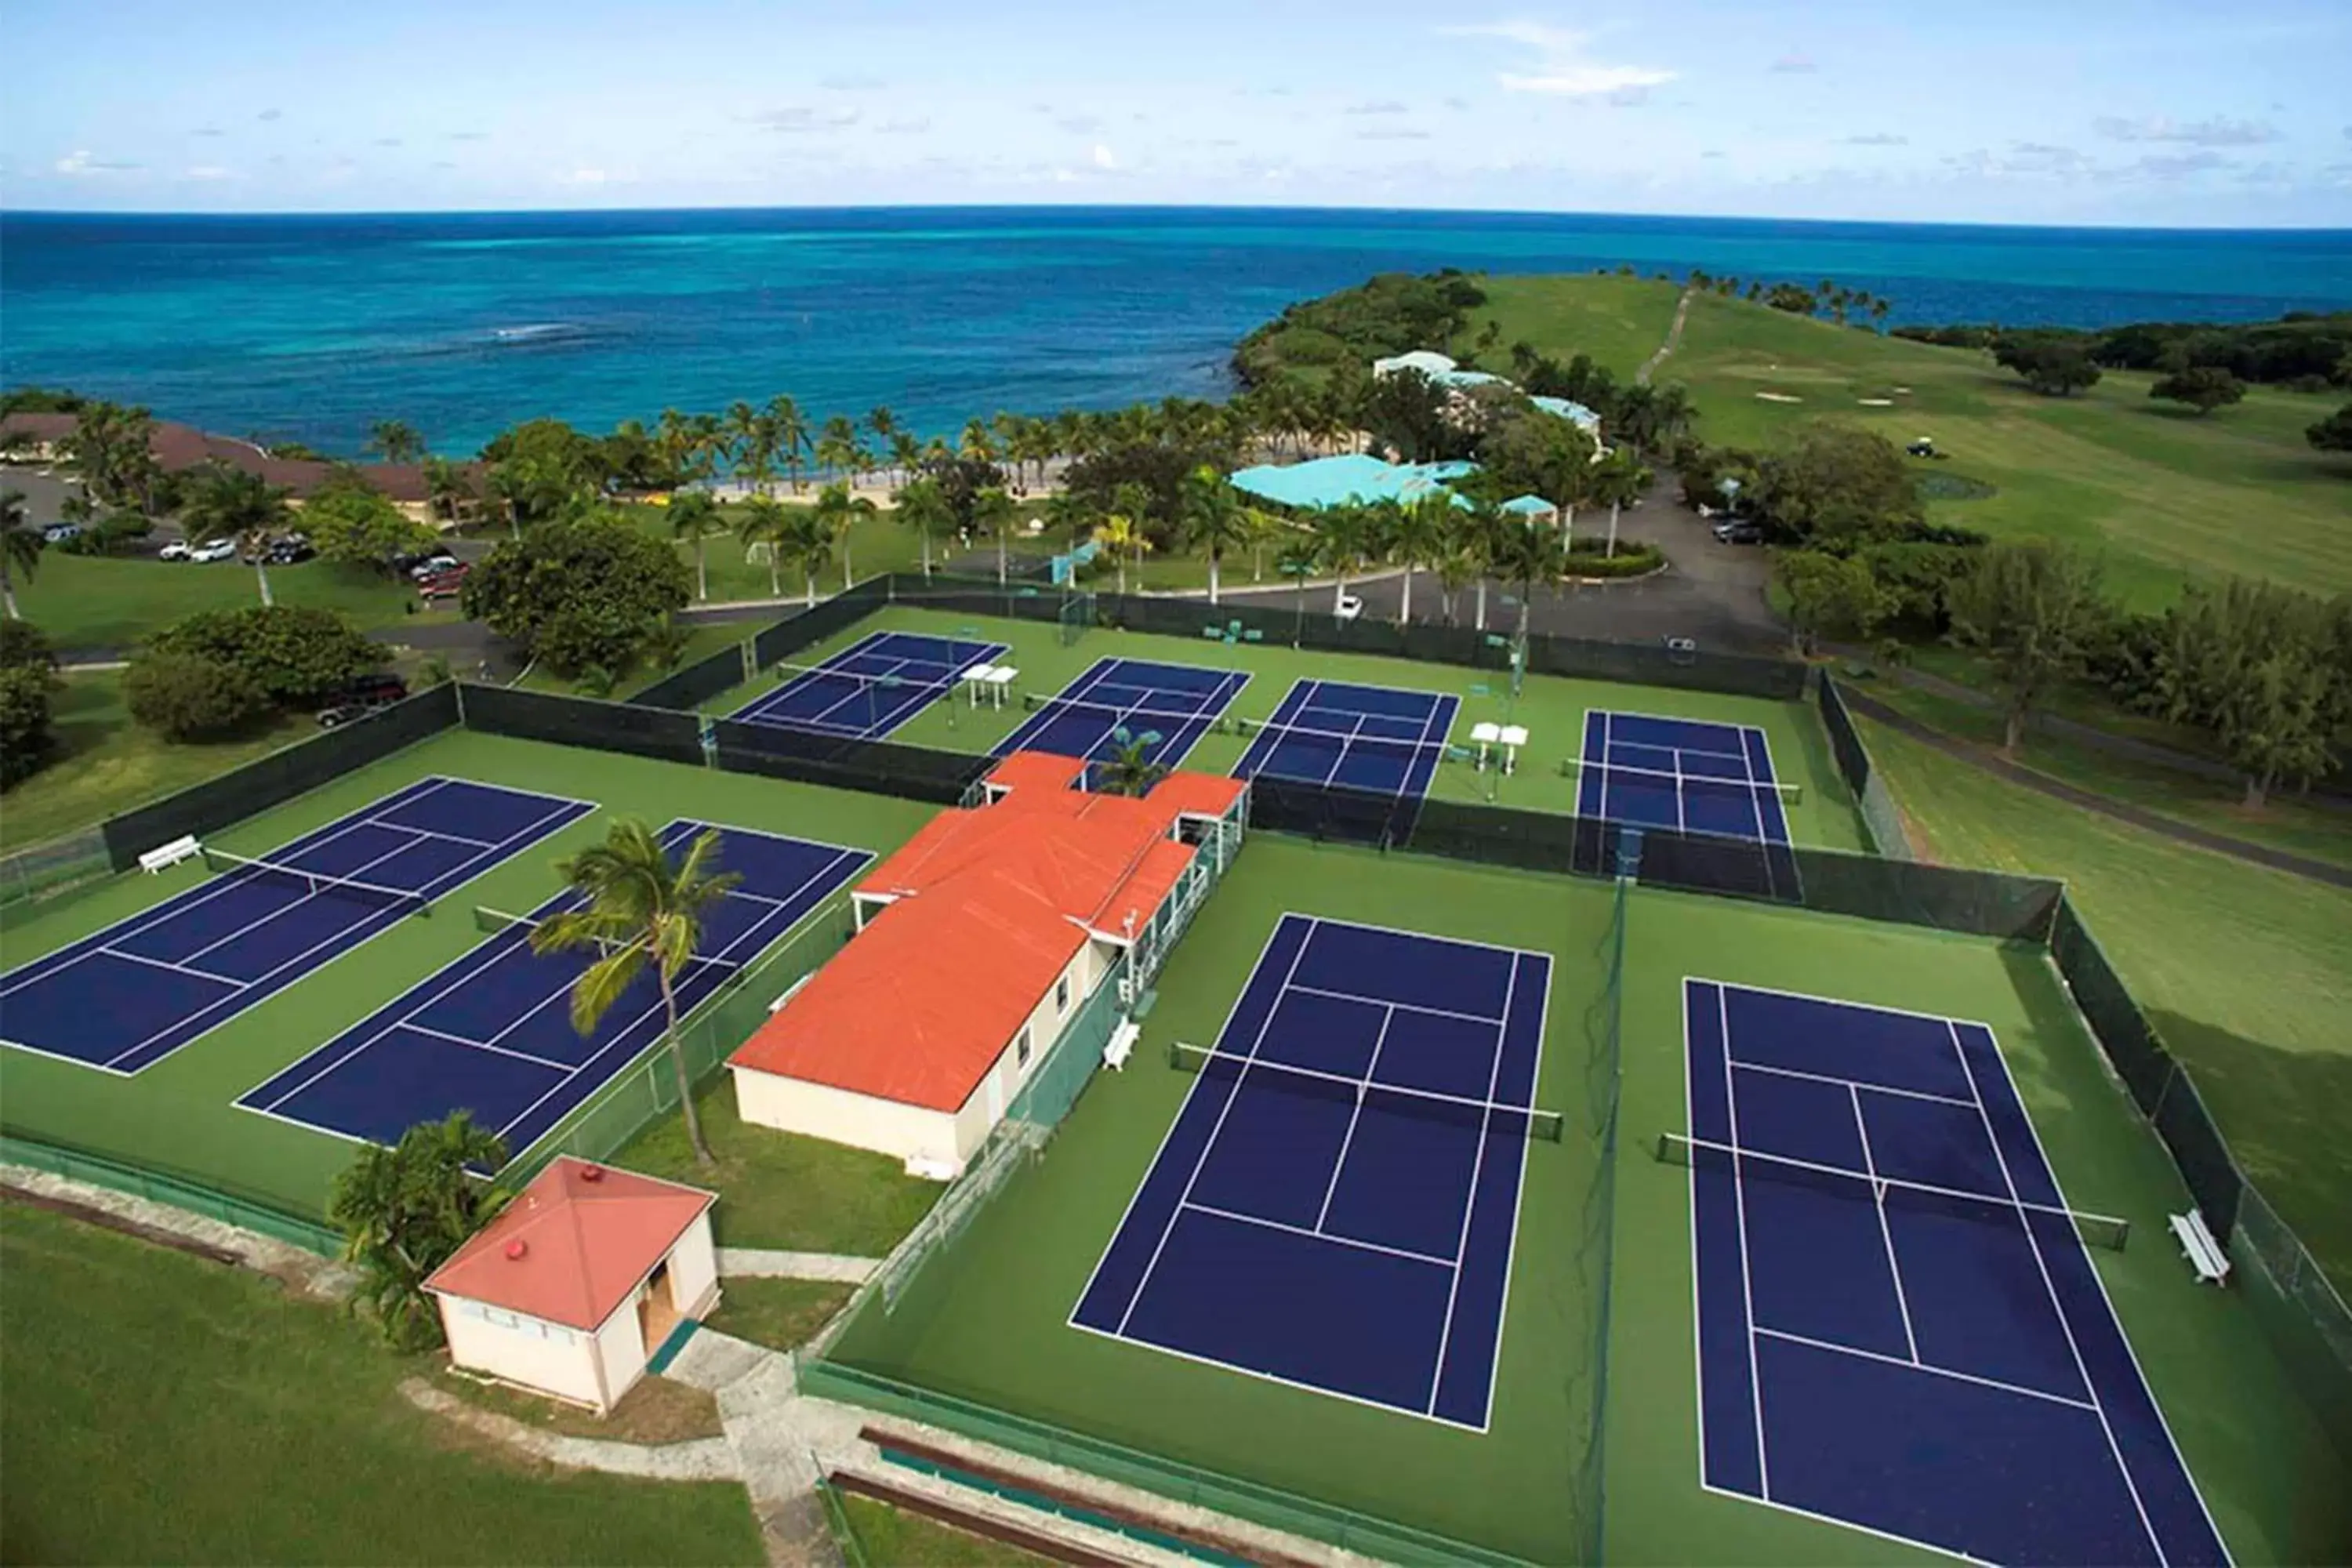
[576, 1284]
[977, 944]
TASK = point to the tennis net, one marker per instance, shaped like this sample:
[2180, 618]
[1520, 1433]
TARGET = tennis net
[2098, 1230]
[1112, 716]
[316, 884]
[1312, 1083]
[496, 923]
[1340, 741]
[1689, 783]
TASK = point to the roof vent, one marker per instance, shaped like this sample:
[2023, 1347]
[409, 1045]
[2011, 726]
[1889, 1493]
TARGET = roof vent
[591, 1173]
[516, 1249]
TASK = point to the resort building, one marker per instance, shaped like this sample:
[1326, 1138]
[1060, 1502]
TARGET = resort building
[1441, 369]
[575, 1286]
[1350, 478]
[978, 945]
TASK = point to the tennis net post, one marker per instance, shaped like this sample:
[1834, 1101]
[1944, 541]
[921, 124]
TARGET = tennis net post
[316, 884]
[2109, 1231]
[1483, 1115]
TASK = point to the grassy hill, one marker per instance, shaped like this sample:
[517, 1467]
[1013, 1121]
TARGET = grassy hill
[2163, 495]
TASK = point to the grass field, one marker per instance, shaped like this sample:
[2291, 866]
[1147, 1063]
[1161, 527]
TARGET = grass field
[778, 1313]
[1552, 709]
[179, 1113]
[901, 1540]
[165, 1409]
[2164, 495]
[2245, 972]
[93, 601]
[987, 1321]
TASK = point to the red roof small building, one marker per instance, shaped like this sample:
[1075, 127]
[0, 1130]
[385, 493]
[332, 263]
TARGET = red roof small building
[576, 1284]
[177, 447]
[977, 942]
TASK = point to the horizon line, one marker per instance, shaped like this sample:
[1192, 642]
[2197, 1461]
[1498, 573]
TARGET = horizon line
[323, 213]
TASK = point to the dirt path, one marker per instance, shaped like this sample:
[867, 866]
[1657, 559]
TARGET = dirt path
[1673, 339]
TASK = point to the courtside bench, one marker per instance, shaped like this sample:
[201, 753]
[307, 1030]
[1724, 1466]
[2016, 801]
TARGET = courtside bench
[2197, 1244]
[163, 856]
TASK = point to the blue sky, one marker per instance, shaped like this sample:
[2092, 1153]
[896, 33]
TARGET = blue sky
[2093, 112]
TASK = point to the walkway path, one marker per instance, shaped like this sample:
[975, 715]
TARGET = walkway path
[763, 1263]
[1674, 339]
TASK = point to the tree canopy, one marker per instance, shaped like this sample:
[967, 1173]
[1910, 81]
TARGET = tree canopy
[1834, 486]
[294, 655]
[405, 1209]
[2202, 387]
[2033, 608]
[589, 593]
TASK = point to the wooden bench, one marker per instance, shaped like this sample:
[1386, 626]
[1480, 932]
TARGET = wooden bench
[183, 847]
[2197, 1244]
[1121, 1044]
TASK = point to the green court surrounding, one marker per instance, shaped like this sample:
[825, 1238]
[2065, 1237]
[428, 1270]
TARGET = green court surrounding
[985, 1322]
[1551, 708]
[179, 1114]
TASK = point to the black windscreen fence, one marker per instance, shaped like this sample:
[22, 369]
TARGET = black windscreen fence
[279, 776]
[579, 721]
[813, 625]
[878, 767]
[698, 683]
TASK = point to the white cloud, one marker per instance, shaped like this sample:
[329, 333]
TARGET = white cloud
[1079, 124]
[586, 176]
[852, 84]
[1877, 139]
[901, 127]
[210, 172]
[2213, 132]
[271, 114]
[1104, 158]
[1378, 106]
[207, 130]
[81, 162]
[1564, 70]
[1794, 65]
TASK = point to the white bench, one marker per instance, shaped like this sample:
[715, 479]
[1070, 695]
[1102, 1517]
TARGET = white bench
[2197, 1244]
[1121, 1044]
[183, 847]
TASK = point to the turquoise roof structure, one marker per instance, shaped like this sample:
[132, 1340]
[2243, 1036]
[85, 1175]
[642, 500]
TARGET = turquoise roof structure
[1351, 476]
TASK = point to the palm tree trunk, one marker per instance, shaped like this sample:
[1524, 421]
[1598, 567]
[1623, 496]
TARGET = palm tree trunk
[1212, 579]
[702, 573]
[1611, 553]
[775, 573]
[812, 589]
[927, 549]
[2258, 789]
[1481, 624]
[1003, 573]
[8, 590]
[1406, 619]
[261, 572]
[686, 1105]
[846, 578]
[1339, 588]
[2012, 732]
[1567, 532]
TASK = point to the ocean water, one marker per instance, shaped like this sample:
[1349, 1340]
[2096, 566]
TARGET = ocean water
[310, 328]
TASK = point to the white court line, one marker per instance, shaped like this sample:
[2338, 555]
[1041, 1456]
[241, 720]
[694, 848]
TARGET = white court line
[1682, 719]
[176, 968]
[1470, 1200]
[1740, 1203]
[435, 832]
[1886, 1231]
[1371, 1070]
[1856, 1351]
[1850, 1083]
[1430, 1259]
[1232, 1094]
[415, 1028]
[243, 932]
[1404, 1006]
[2082, 1368]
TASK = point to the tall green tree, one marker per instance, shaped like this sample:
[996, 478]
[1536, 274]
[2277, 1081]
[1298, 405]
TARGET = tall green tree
[1831, 595]
[993, 512]
[2033, 609]
[1121, 531]
[644, 911]
[594, 593]
[1214, 520]
[1835, 486]
[352, 522]
[2267, 670]
[2333, 434]
[1417, 536]
[20, 549]
[395, 441]
[763, 527]
[229, 503]
[1130, 769]
[112, 449]
[789, 435]
[694, 519]
[839, 511]
[1344, 540]
[407, 1209]
[923, 506]
[1525, 557]
[751, 437]
[2203, 387]
[1619, 479]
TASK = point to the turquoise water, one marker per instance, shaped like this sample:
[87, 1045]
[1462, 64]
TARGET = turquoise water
[310, 328]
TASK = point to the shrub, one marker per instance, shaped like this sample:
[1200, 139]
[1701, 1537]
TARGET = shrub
[191, 696]
[26, 738]
[23, 643]
[294, 655]
[1633, 558]
[577, 594]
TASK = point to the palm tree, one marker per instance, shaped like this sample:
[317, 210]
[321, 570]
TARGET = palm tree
[1067, 515]
[922, 506]
[694, 516]
[1455, 565]
[979, 442]
[1117, 534]
[1619, 479]
[1524, 555]
[1417, 535]
[395, 440]
[405, 1209]
[750, 440]
[994, 510]
[841, 509]
[1476, 535]
[837, 445]
[906, 454]
[884, 426]
[641, 910]
[1343, 541]
[1261, 528]
[765, 521]
[20, 549]
[788, 428]
[807, 540]
[229, 503]
[1214, 518]
[1130, 769]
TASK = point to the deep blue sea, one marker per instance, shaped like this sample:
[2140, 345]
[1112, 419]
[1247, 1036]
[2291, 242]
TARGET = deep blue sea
[310, 328]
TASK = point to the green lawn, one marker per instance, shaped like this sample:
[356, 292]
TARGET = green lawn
[1620, 321]
[105, 763]
[893, 1538]
[88, 601]
[2246, 973]
[164, 1409]
[781, 1190]
[778, 1313]
[2165, 496]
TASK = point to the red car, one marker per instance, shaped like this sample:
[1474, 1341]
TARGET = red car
[442, 585]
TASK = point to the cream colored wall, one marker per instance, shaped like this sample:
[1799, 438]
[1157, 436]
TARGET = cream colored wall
[522, 1350]
[838, 1116]
[694, 1270]
[975, 1121]
[620, 1346]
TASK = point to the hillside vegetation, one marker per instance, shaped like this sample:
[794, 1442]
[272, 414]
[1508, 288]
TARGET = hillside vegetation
[2164, 494]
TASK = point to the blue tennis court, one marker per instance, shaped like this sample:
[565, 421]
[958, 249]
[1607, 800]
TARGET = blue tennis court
[1373, 738]
[1336, 1204]
[871, 687]
[130, 995]
[1898, 1324]
[1177, 702]
[492, 1032]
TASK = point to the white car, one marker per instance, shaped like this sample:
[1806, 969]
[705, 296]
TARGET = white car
[175, 551]
[216, 549]
[1346, 607]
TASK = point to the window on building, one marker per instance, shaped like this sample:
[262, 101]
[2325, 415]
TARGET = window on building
[1021, 1050]
[1062, 994]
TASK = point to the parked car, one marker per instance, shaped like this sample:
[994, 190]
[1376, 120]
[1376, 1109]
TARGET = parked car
[177, 550]
[216, 549]
[432, 566]
[1738, 531]
[360, 698]
[288, 551]
[58, 532]
[1346, 607]
[442, 585]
